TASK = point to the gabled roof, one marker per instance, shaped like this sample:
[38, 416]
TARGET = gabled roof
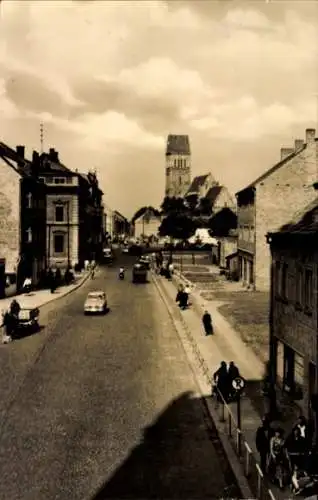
[213, 193]
[178, 144]
[49, 166]
[197, 183]
[305, 221]
[10, 155]
[272, 169]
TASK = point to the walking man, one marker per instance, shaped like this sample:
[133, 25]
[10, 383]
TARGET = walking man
[207, 323]
[262, 440]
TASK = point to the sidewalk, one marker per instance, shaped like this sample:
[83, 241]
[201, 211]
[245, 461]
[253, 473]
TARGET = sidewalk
[226, 344]
[39, 298]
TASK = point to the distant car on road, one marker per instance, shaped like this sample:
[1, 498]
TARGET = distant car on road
[135, 250]
[108, 255]
[95, 302]
[145, 260]
[139, 273]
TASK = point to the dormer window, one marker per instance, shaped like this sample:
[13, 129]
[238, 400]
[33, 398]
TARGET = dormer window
[29, 200]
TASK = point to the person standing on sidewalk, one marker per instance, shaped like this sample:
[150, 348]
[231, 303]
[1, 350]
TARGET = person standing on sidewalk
[262, 440]
[187, 291]
[233, 373]
[220, 379]
[207, 323]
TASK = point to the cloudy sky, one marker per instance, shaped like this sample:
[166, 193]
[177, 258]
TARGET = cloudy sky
[110, 80]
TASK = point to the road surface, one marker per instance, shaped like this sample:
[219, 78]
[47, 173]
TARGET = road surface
[108, 408]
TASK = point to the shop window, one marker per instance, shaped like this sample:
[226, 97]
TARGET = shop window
[59, 240]
[308, 290]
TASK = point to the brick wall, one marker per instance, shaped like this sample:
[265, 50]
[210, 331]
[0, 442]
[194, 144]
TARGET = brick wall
[278, 197]
[9, 217]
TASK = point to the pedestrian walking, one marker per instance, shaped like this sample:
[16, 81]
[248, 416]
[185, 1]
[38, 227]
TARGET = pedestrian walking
[187, 291]
[220, 379]
[297, 449]
[262, 440]
[233, 373]
[305, 431]
[207, 323]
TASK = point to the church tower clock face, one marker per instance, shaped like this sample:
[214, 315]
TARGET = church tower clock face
[178, 165]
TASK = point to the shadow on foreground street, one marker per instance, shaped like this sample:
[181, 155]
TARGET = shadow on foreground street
[179, 457]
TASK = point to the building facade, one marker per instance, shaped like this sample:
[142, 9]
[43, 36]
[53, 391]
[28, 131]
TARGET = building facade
[121, 226]
[265, 205]
[91, 218]
[293, 310]
[23, 216]
[178, 166]
[147, 225]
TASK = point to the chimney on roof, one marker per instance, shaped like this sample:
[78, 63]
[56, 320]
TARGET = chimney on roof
[35, 167]
[20, 151]
[299, 144]
[310, 135]
[53, 155]
[284, 152]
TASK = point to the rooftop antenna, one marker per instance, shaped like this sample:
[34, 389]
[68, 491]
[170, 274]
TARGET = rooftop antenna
[41, 136]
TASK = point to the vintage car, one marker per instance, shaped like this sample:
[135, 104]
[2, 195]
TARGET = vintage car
[95, 303]
[108, 255]
[145, 260]
[139, 273]
[27, 323]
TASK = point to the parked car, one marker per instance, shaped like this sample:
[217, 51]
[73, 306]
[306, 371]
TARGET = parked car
[95, 302]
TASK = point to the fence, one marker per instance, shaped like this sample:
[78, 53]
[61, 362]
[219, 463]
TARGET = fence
[182, 259]
[258, 483]
[252, 471]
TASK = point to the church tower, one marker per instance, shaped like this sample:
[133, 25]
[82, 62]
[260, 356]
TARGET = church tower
[178, 166]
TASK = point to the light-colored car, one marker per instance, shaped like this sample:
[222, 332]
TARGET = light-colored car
[95, 302]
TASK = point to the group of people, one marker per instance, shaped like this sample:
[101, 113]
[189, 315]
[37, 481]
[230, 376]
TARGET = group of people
[182, 298]
[287, 461]
[223, 382]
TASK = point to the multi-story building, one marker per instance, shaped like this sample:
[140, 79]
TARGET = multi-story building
[178, 166]
[22, 216]
[265, 205]
[205, 190]
[91, 218]
[62, 223]
[147, 225]
[293, 309]
[121, 226]
[74, 213]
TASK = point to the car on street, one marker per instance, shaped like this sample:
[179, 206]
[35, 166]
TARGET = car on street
[145, 260]
[108, 255]
[139, 273]
[95, 303]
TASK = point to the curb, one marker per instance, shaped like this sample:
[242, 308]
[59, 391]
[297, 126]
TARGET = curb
[182, 331]
[68, 292]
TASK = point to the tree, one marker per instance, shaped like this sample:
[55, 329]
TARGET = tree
[178, 226]
[192, 202]
[173, 204]
[141, 211]
[222, 222]
[205, 206]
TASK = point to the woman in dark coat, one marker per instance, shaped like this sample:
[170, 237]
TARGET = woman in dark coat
[220, 378]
